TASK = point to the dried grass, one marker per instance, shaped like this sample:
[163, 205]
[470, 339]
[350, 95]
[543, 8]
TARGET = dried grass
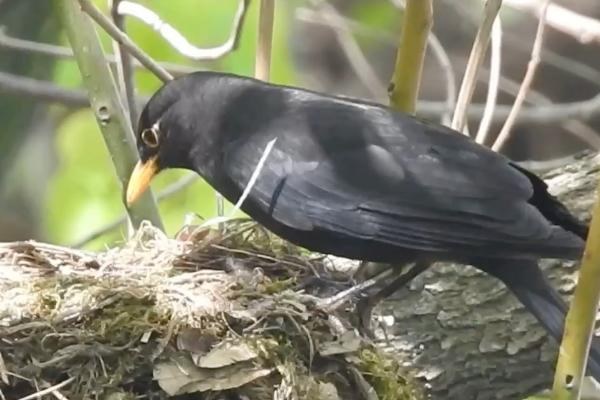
[209, 314]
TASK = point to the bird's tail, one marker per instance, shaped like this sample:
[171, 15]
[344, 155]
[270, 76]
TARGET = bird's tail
[534, 291]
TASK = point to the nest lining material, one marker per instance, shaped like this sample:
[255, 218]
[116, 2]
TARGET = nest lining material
[207, 315]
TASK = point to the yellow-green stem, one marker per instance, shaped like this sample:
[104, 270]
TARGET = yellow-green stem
[579, 325]
[404, 87]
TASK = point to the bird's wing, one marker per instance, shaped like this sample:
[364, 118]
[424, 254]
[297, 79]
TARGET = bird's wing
[417, 187]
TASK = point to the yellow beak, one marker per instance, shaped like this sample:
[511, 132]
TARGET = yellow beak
[140, 179]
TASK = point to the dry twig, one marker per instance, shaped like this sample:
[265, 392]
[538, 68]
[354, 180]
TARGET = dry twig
[527, 80]
[494, 79]
[177, 40]
[113, 31]
[583, 28]
[262, 67]
[475, 59]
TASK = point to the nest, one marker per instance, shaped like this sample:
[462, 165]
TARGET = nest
[212, 314]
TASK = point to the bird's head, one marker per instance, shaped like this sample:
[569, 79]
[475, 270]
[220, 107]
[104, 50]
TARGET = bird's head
[171, 131]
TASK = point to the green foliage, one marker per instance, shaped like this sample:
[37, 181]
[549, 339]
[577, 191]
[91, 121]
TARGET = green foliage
[84, 193]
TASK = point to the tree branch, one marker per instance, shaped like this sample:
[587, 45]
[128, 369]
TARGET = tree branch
[543, 114]
[585, 29]
[177, 40]
[52, 50]
[124, 66]
[526, 84]
[104, 98]
[89, 8]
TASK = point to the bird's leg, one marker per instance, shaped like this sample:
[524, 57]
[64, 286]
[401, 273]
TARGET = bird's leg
[331, 303]
[365, 306]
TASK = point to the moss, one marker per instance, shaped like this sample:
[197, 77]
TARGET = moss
[386, 376]
[106, 324]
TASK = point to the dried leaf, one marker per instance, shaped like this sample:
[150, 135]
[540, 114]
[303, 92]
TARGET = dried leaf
[349, 342]
[225, 353]
[327, 391]
[196, 341]
[181, 376]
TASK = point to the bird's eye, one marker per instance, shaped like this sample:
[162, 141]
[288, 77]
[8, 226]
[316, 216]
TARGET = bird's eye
[150, 137]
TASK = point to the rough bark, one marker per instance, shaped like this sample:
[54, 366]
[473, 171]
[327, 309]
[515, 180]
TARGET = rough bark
[466, 335]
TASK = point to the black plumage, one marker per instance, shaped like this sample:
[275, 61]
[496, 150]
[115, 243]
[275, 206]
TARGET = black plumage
[356, 179]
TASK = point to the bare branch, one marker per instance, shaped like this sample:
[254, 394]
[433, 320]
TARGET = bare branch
[357, 59]
[527, 80]
[585, 29]
[345, 27]
[177, 40]
[124, 66]
[543, 114]
[444, 60]
[52, 50]
[89, 8]
[475, 59]
[42, 90]
[492, 94]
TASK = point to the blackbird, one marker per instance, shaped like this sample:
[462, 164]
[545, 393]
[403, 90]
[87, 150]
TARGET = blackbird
[359, 180]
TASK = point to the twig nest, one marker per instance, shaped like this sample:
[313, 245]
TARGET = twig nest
[229, 315]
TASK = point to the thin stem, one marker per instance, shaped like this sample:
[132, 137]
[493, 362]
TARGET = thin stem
[262, 69]
[177, 40]
[473, 65]
[444, 60]
[525, 85]
[494, 80]
[544, 113]
[357, 59]
[52, 50]
[404, 87]
[124, 66]
[106, 104]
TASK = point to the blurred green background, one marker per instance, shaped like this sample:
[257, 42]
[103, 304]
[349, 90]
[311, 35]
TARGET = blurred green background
[82, 194]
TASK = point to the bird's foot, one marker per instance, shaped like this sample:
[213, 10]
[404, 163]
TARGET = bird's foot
[364, 310]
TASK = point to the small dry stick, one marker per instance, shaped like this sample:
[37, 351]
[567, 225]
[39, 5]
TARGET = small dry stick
[527, 80]
[494, 80]
[491, 9]
[262, 68]
[404, 87]
[53, 50]
[446, 66]
[583, 28]
[51, 389]
[125, 74]
[177, 40]
[89, 8]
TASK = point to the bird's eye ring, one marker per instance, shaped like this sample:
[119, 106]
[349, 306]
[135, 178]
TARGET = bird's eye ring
[150, 137]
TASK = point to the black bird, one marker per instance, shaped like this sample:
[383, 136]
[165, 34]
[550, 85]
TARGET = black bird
[359, 180]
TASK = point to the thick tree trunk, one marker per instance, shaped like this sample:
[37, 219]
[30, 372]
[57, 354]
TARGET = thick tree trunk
[466, 335]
